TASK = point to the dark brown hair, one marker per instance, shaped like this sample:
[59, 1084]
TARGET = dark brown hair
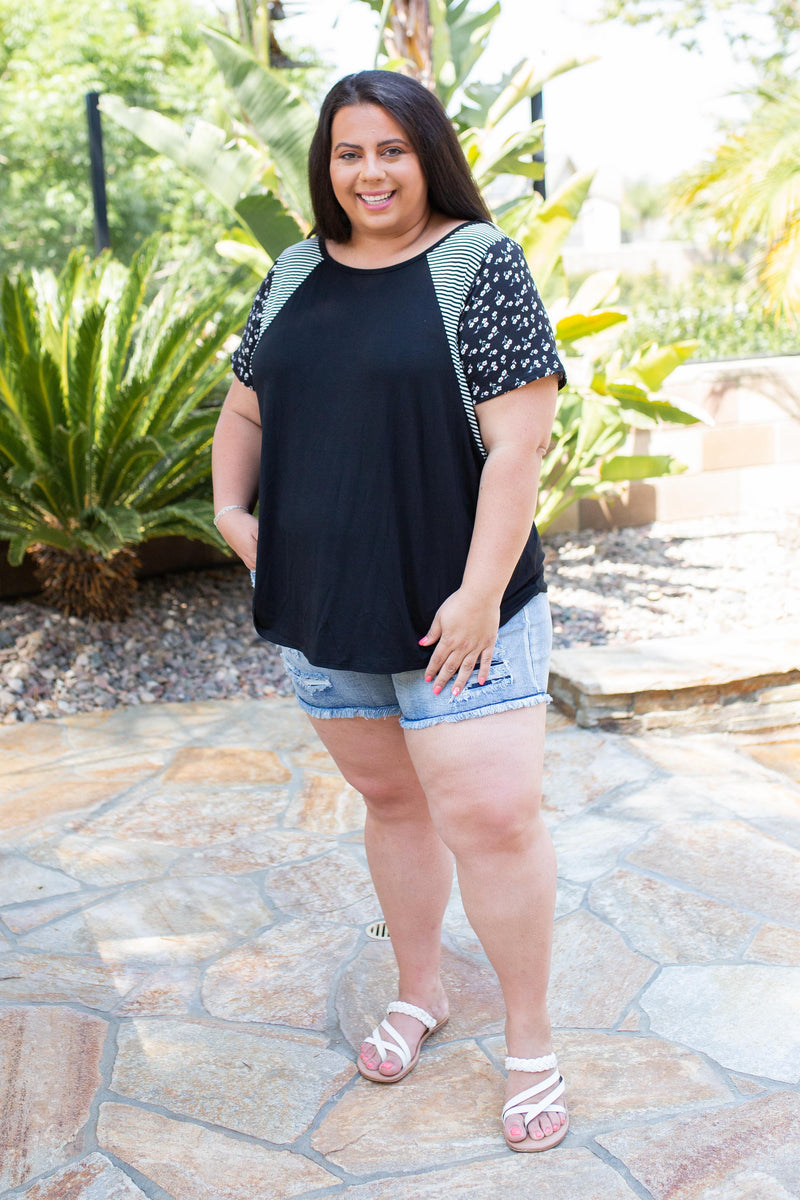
[451, 189]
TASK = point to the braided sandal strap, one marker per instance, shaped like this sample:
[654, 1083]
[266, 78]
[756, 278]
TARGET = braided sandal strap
[411, 1010]
[546, 1063]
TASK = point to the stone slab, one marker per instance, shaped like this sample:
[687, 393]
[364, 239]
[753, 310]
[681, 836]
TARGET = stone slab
[100, 861]
[256, 852]
[280, 977]
[49, 1073]
[56, 795]
[448, 1109]
[594, 976]
[266, 1086]
[21, 880]
[169, 991]
[590, 845]
[581, 766]
[226, 766]
[185, 815]
[334, 887]
[747, 1151]
[712, 1009]
[191, 1162]
[65, 979]
[569, 1174]
[780, 755]
[775, 944]
[666, 923]
[93, 1178]
[166, 921]
[674, 664]
[24, 917]
[326, 804]
[718, 858]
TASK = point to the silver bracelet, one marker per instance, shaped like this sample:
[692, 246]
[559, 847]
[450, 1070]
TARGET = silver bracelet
[228, 508]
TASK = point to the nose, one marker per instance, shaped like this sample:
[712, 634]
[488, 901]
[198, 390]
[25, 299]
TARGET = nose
[372, 166]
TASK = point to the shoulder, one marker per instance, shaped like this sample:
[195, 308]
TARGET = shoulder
[300, 255]
[475, 248]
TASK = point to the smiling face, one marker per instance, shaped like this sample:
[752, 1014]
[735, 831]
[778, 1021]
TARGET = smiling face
[376, 174]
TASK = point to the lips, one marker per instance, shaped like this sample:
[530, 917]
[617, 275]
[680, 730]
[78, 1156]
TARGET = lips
[375, 200]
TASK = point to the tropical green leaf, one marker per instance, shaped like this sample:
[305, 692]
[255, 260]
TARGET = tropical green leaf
[284, 121]
[272, 226]
[654, 363]
[580, 325]
[624, 467]
[245, 254]
[226, 169]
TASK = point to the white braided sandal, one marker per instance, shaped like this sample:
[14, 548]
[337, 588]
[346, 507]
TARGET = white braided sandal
[526, 1105]
[398, 1044]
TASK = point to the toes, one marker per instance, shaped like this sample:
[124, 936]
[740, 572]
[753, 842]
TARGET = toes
[515, 1130]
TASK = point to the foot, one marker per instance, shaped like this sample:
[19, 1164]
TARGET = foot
[410, 1029]
[541, 1128]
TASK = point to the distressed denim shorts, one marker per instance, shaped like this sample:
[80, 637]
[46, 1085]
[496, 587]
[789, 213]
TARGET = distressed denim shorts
[517, 679]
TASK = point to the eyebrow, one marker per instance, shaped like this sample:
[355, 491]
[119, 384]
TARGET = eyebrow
[385, 142]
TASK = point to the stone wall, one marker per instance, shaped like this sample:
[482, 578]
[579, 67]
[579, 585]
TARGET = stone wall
[747, 462]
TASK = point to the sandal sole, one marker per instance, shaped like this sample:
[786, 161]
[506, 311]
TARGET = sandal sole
[533, 1145]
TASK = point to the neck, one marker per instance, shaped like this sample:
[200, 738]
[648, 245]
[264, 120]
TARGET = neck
[372, 249]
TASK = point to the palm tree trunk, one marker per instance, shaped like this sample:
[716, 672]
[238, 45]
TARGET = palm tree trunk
[409, 35]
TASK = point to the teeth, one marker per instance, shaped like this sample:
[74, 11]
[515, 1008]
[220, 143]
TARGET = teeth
[376, 199]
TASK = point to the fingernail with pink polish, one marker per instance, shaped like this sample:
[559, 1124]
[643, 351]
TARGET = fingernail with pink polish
[436, 690]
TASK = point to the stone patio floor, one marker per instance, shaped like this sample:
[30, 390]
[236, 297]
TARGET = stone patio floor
[185, 972]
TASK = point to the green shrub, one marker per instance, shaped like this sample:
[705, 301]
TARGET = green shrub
[107, 379]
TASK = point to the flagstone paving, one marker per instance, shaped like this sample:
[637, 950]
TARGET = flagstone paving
[185, 972]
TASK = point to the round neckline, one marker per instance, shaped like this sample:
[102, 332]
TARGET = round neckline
[404, 262]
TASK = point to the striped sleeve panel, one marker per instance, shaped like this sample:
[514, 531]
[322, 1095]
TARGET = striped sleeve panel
[453, 265]
[292, 268]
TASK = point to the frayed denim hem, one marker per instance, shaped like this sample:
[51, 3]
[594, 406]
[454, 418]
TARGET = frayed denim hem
[487, 711]
[326, 714]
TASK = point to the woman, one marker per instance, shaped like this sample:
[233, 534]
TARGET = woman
[405, 377]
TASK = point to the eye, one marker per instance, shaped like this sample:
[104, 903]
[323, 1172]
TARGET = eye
[393, 151]
[347, 155]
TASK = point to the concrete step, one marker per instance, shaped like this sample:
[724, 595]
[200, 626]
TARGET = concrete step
[718, 683]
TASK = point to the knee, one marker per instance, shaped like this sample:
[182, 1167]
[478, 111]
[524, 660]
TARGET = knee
[388, 797]
[499, 825]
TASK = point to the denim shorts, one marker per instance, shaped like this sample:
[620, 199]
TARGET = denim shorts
[517, 679]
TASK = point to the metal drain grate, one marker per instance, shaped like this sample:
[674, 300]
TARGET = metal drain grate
[378, 931]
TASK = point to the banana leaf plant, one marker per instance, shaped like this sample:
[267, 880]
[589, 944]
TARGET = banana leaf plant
[106, 420]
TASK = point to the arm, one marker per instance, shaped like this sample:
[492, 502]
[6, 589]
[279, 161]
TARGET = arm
[235, 458]
[515, 429]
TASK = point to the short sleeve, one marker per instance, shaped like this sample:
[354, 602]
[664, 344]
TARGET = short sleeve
[505, 336]
[242, 357]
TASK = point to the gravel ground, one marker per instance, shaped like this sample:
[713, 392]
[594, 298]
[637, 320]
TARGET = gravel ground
[190, 636]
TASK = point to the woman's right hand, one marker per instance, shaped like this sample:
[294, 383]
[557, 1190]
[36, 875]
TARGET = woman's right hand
[240, 530]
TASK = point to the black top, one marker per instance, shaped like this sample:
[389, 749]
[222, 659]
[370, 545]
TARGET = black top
[371, 453]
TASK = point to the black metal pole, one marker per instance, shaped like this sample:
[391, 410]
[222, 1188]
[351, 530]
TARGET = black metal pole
[537, 113]
[102, 241]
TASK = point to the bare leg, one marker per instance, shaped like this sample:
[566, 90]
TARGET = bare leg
[482, 778]
[411, 868]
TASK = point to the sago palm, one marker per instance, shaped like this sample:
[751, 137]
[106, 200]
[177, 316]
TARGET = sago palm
[105, 422]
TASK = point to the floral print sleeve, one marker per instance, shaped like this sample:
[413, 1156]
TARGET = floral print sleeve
[505, 336]
[242, 357]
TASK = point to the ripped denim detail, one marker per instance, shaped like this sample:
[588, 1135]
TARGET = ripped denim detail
[500, 676]
[309, 682]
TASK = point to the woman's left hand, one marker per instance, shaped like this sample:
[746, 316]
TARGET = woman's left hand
[465, 628]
